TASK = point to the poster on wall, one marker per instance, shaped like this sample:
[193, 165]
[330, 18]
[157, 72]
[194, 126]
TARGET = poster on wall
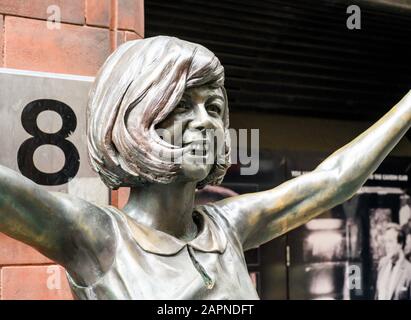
[360, 249]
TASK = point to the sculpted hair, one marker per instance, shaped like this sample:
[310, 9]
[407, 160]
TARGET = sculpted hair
[136, 88]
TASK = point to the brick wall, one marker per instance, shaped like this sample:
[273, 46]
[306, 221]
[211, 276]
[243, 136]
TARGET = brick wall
[89, 31]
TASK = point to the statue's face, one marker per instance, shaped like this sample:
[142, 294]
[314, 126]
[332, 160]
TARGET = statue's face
[196, 125]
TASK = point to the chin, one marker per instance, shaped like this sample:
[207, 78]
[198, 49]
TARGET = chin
[196, 172]
[197, 175]
[195, 169]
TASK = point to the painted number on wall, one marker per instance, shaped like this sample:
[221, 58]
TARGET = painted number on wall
[26, 151]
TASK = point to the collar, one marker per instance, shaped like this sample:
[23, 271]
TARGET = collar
[210, 238]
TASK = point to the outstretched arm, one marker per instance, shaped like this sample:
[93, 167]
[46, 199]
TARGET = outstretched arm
[66, 229]
[262, 216]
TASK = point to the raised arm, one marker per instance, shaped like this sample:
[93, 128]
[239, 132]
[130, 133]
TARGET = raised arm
[66, 229]
[262, 216]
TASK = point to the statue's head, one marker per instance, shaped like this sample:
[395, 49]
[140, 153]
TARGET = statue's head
[158, 113]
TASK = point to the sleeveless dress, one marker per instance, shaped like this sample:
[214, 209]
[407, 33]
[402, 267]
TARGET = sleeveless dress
[150, 264]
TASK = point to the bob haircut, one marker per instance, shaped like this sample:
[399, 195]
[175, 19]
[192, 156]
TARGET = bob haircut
[136, 88]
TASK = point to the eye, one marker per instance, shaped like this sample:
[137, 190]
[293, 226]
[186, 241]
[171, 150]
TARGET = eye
[182, 106]
[214, 109]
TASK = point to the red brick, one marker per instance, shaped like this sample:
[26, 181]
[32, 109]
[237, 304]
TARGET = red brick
[127, 36]
[29, 44]
[98, 12]
[131, 15]
[114, 198]
[121, 37]
[71, 11]
[119, 197]
[13, 252]
[1, 39]
[123, 195]
[34, 283]
[132, 36]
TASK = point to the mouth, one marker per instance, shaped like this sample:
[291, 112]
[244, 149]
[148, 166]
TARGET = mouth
[197, 148]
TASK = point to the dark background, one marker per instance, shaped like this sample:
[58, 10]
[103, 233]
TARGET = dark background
[298, 57]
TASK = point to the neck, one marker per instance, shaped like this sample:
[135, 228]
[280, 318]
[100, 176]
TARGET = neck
[164, 207]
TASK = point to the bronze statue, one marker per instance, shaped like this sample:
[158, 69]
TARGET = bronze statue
[161, 246]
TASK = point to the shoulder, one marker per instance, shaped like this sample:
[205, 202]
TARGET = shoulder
[81, 213]
[73, 201]
[218, 213]
[91, 239]
[221, 217]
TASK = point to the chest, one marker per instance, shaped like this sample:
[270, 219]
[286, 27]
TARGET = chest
[189, 274]
[137, 274]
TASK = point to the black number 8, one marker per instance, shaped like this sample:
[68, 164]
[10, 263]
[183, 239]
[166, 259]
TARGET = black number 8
[26, 150]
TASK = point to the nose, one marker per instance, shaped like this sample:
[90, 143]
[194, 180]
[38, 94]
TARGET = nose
[202, 120]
